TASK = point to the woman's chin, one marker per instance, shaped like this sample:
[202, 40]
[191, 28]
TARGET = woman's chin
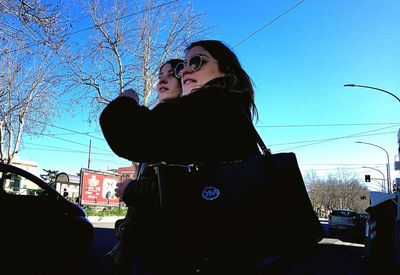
[189, 90]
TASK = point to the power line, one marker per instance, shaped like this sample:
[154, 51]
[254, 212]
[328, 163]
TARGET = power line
[327, 125]
[66, 129]
[328, 139]
[336, 138]
[277, 126]
[70, 134]
[354, 170]
[259, 126]
[123, 17]
[113, 161]
[60, 149]
[71, 141]
[269, 23]
[93, 27]
[343, 164]
[63, 149]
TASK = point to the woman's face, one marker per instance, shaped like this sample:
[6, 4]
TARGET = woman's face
[168, 87]
[196, 79]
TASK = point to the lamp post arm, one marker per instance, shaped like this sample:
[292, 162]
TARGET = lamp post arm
[376, 170]
[387, 154]
[373, 88]
[383, 176]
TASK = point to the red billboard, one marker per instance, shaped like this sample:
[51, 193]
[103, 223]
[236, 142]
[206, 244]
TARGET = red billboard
[97, 188]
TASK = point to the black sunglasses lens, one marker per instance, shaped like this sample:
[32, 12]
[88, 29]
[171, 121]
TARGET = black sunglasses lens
[195, 62]
[178, 69]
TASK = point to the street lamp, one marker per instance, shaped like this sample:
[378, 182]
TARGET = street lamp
[383, 176]
[373, 88]
[387, 165]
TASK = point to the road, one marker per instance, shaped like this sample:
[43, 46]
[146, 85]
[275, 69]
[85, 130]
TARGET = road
[103, 241]
[334, 255]
[339, 255]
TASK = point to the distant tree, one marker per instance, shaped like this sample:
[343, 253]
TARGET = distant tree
[339, 190]
[125, 48]
[50, 176]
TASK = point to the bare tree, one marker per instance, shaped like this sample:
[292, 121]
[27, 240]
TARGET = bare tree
[29, 35]
[126, 46]
[26, 101]
[339, 190]
[31, 22]
[122, 46]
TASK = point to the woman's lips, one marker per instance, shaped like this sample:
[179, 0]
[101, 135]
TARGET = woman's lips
[163, 89]
[188, 80]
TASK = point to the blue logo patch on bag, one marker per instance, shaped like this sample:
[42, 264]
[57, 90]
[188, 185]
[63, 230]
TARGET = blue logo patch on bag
[210, 193]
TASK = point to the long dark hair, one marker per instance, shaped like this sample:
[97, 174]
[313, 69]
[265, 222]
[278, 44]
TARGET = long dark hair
[229, 64]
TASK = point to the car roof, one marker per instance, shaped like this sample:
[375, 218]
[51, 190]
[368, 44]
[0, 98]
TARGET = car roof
[40, 182]
[338, 209]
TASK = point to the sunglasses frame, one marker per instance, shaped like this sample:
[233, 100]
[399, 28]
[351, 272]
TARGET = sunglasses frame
[187, 62]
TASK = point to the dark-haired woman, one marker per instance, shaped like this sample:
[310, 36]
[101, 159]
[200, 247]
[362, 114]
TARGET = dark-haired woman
[141, 195]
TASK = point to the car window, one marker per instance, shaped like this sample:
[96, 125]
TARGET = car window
[18, 185]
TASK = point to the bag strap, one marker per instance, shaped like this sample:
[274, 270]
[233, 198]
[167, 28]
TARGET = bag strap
[260, 142]
[141, 168]
[159, 175]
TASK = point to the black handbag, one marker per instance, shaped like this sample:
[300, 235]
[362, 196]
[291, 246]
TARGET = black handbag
[253, 208]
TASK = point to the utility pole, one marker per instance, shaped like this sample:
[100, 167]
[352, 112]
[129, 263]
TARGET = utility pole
[90, 150]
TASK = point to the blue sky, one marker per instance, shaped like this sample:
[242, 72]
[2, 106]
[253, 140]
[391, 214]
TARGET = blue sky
[299, 64]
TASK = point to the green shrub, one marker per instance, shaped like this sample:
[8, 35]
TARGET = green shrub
[105, 211]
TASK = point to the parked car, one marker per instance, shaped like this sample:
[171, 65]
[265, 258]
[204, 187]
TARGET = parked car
[39, 227]
[342, 219]
[363, 217]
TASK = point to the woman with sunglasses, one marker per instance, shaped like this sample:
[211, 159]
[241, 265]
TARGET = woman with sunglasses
[206, 124]
[141, 195]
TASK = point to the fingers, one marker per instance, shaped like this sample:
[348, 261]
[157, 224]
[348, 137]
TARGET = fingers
[131, 93]
[116, 190]
[121, 188]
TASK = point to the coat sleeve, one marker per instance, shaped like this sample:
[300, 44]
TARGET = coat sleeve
[124, 125]
[188, 129]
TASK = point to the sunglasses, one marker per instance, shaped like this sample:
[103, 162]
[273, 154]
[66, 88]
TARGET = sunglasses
[194, 63]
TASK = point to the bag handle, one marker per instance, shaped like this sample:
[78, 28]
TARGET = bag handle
[141, 167]
[260, 142]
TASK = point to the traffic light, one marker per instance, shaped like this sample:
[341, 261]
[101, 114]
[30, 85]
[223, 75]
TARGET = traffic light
[367, 178]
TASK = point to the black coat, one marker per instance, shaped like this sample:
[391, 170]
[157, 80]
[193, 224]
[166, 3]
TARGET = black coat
[207, 125]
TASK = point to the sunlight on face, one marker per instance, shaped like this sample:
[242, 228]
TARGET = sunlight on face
[196, 79]
[168, 87]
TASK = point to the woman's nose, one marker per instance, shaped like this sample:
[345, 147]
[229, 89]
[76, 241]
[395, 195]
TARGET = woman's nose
[186, 69]
[162, 79]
